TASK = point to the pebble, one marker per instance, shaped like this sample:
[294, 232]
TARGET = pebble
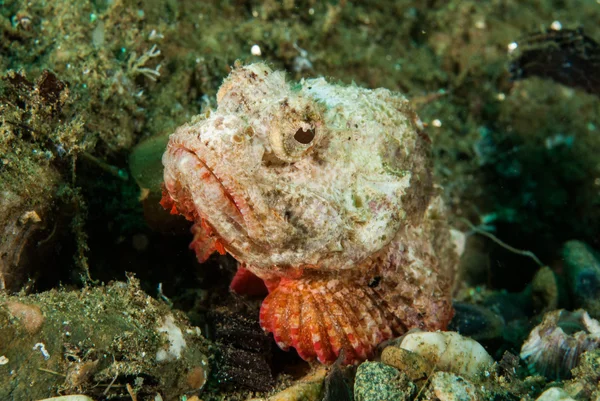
[448, 351]
[582, 269]
[376, 381]
[544, 290]
[450, 387]
[555, 394]
[412, 364]
[477, 322]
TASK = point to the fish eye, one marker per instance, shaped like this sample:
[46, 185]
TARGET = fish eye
[296, 128]
[304, 136]
[292, 141]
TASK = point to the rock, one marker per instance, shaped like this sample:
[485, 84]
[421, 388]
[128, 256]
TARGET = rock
[410, 363]
[544, 290]
[376, 381]
[448, 351]
[555, 394]
[476, 322]
[450, 387]
[582, 269]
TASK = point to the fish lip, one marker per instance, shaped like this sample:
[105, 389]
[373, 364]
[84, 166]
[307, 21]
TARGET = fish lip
[241, 231]
[237, 217]
[229, 194]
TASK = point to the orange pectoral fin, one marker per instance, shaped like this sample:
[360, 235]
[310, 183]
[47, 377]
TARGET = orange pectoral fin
[324, 318]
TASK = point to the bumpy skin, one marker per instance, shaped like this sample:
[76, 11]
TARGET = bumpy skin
[325, 192]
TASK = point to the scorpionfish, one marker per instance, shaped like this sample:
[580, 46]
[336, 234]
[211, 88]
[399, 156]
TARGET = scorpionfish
[325, 193]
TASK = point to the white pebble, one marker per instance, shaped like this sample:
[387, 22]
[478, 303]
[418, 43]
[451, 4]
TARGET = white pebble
[555, 394]
[255, 50]
[73, 397]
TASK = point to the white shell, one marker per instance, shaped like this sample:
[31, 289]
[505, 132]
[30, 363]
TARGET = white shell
[449, 351]
[551, 352]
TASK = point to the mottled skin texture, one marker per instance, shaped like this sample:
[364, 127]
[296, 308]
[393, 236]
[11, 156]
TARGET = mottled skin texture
[325, 192]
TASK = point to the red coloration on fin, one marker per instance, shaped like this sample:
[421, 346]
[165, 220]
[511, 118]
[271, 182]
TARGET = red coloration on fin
[167, 202]
[186, 209]
[219, 247]
[272, 283]
[320, 318]
[247, 283]
[204, 242]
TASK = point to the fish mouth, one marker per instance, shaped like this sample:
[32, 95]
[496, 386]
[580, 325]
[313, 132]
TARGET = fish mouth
[214, 201]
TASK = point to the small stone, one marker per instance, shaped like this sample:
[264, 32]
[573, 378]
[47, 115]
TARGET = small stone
[30, 216]
[449, 351]
[582, 269]
[196, 378]
[476, 322]
[412, 364]
[509, 364]
[584, 385]
[544, 290]
[255, 50]
[376, 381]
[30, 316]
[80, 372]
[450, 387]
[555, 394]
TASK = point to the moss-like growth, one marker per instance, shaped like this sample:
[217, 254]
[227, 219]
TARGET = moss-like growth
[97, 341]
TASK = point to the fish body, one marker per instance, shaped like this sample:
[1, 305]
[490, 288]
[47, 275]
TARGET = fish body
[325, 193]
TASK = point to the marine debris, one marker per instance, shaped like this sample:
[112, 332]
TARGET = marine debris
[555, 346]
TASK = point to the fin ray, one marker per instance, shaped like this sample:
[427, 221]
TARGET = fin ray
[322, 317]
